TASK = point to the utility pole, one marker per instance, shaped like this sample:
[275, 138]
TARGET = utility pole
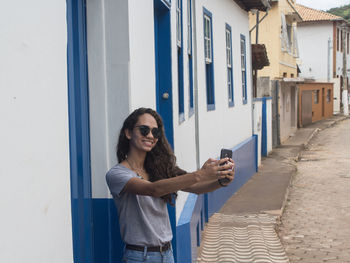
[345, 79]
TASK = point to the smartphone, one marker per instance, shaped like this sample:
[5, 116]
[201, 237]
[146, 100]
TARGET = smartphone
[225, 153]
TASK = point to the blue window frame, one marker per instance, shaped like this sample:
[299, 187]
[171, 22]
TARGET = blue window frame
[189, 52]
[209, 58]
[228, 37]
[244, 69]
[179, 44]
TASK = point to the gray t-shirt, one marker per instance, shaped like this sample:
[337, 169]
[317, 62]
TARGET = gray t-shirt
[143, 220]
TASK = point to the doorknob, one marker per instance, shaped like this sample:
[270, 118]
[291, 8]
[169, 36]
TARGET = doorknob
[165, 95]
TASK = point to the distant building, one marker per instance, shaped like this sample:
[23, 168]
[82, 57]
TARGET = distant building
[321, 48]
[277, 31]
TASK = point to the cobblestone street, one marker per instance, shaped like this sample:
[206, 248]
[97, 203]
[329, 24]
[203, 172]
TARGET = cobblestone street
[315, 226]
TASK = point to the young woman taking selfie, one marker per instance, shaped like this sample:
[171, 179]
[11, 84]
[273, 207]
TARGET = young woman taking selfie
[146, 179]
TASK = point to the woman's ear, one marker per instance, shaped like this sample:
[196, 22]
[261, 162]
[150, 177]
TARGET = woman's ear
[127, 133]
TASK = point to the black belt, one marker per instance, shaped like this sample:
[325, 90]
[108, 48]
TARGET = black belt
[166, 247]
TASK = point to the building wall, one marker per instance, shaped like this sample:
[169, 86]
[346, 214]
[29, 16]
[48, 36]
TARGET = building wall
[288, 110]
[108, 65]
[269, 124]
[142, 57]
[313, 59]
[339, 53]
[223, 116]
[258, 125]
[323, 109]
[35, 190]
[270, 34]
[336, 95]
[217, 128]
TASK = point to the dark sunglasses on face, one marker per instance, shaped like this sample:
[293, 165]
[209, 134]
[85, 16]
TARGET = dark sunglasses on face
[144, 130]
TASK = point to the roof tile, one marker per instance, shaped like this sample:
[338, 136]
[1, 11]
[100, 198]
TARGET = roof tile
[310, 14]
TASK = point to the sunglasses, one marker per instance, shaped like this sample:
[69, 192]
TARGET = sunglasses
[144, 130]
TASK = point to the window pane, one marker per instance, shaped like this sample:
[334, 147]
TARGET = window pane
[229, 85]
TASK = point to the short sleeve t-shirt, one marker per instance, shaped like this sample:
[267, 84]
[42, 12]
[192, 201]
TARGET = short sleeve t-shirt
[143, 220]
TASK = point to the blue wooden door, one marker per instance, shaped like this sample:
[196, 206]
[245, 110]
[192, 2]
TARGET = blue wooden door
[162, 41]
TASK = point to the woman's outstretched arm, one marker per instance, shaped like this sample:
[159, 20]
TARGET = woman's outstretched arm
[208, 173]
[209, 186]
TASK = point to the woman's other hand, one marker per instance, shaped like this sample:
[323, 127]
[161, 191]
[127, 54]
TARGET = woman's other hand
[227, 176]
[214, 169]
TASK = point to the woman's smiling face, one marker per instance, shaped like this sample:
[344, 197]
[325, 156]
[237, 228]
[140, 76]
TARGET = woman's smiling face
[137, 140]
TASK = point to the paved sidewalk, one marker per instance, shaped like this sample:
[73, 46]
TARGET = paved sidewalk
[239, 222]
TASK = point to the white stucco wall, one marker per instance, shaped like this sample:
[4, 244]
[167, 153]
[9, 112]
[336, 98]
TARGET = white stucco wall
[34, 137]
[336, 95]
[313, 50]
[288, 110]
[108, 65]
[339, 54]
[269, 124]
[142, 57]
[224, 127]
[258, 125]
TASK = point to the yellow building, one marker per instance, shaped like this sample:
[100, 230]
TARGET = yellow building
[278, 32]
[276, 29]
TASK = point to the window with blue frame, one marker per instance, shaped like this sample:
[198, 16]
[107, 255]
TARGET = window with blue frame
[229, 65]
[244, 69]
[179, 42]
[209, 61]
[189, 52]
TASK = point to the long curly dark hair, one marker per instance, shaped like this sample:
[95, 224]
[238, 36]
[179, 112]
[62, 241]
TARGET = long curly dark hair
[160, 162]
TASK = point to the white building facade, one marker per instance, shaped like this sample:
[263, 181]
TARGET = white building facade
[321, 52]
[64, 105]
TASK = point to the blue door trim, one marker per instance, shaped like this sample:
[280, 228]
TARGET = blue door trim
[163, 65]
[79, 137]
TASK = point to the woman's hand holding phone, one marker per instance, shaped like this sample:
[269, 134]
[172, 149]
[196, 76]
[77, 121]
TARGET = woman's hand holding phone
[226, 176]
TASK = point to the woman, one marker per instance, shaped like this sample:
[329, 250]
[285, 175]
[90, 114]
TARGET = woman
[147, 178]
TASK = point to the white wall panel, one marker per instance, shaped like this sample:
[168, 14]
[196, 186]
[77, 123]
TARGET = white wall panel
[34, 137]
[258, 125]
[108, 65]
[313, 50]
[269, 124]
[142, 56]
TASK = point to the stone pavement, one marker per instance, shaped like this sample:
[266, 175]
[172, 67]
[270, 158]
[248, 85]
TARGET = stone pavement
[244, 229]
[315, 226]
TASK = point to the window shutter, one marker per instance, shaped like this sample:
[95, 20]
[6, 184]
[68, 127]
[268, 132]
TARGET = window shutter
[284, 34]
[295, 42]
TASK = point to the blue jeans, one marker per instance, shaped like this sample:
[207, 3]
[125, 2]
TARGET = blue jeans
[133, 256]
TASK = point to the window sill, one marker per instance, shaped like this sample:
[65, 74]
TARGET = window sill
[210, 107]
[181, 117]
[191, 112]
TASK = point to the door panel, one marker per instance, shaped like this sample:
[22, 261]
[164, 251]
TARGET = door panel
[306, 107]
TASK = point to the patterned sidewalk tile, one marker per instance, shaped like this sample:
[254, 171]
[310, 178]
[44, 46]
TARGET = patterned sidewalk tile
[241, 238]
